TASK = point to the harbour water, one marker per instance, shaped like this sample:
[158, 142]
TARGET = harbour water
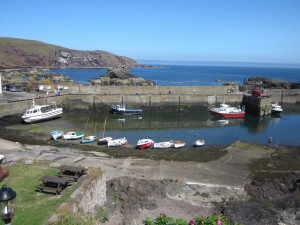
[165, 125]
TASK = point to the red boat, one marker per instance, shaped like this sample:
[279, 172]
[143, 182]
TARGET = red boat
[227, 111]
[144, 143]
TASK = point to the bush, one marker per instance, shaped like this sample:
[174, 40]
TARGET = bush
[216, 219]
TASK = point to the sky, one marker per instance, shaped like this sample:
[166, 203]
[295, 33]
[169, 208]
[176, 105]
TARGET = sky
[262, 31]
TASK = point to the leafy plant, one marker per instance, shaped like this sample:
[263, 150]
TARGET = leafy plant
[212, 219]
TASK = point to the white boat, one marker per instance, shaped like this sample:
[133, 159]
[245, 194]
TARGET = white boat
[122, 109]
[103, 140]
[72, 135]
[165, 144]
[178, 144]
[117, 142]
[227, 111]
[144, 143]
[276, 108]
[56, 134]
[199, 143]
[41, 112]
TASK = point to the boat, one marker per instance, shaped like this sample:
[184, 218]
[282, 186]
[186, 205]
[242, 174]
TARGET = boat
[199, 143]
[227, 111]
[165, 144]
[2, 157]
[72, 135]
[88, 139]
[144, 143]
[41, 112]
[56, 134]
[122, 109]
[117, 142]
[276, 108]
[103, 140]
[178, 144]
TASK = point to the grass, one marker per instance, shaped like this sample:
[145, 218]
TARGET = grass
[33, 207]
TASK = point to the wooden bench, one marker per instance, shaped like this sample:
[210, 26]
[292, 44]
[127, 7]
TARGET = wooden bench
[71, 172]
[52, 184]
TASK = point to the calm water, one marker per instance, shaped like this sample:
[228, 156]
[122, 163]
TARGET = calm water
[176, 75]
[192, 125]
[198, 125]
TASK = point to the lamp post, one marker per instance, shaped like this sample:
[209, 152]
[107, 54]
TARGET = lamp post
[7, 204]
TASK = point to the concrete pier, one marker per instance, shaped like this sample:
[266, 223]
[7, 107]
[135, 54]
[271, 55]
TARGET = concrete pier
[260, 106]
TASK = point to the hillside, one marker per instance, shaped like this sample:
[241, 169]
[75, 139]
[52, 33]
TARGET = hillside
[15, 53]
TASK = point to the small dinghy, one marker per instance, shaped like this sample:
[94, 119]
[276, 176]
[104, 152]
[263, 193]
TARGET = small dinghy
[199, 143]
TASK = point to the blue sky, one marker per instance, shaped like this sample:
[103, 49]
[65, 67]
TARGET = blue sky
[192, 30]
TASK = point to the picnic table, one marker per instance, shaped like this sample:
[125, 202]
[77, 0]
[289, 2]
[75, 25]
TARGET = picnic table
[52, 184]
[71, 172]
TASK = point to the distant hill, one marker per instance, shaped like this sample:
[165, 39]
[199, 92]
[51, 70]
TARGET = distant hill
[16, 53]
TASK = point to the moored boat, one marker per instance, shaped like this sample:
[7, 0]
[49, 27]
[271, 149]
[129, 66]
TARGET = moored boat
[227, 111]
[117, 142]
[56, 134]
[104, 140]
[41, 112]
[199, 143]
[165, 144]
[144, 143]
[88, 139]
[72, 135]
[122, 109]
[276, 108]
[178, 144]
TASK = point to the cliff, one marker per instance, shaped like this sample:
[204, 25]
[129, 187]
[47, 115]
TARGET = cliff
[16, 53]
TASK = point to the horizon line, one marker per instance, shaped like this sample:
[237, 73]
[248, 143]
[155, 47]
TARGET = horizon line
[217, 63]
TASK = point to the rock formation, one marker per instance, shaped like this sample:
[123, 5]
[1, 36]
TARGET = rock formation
[120, 76]
[262, 82]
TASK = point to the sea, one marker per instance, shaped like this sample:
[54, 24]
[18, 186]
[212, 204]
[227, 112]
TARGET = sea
[190, 126]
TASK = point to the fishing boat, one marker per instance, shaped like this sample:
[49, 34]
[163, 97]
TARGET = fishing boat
[56, 134]
[117, 142]
[88, 139]
[178, 144]
[144, 143]
[165, 144]
[276, 108]
[41, 112]
[199, 143]
[72, 135]
[122, 109]
[227, 111]
[103, 140]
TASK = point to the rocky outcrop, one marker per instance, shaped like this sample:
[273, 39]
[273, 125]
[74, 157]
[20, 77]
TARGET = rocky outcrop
[16, 53]
[120, 76]
[261, 82]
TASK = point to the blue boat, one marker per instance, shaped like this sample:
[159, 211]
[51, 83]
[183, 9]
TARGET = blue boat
[57, 134]
[88, 139]
[121, 109]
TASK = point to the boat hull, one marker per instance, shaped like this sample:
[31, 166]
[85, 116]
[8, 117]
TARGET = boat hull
[56, 134]
[43, 116]
[88, 139]
[228, 115]
[199, 143]
[117, 142]
[103, 141]
[163, 145]
[73, 136]
[144, 143]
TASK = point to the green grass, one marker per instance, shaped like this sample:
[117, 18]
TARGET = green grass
[33, 207]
